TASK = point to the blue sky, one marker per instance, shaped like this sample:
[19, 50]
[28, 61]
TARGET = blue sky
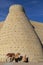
[33, 8]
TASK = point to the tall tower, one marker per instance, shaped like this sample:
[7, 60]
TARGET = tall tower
[17, 35]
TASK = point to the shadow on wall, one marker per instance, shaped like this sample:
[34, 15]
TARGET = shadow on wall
[37, 36]
[35, 32]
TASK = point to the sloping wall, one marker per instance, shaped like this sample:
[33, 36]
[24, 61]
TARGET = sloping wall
[39, 29]
[17, 35]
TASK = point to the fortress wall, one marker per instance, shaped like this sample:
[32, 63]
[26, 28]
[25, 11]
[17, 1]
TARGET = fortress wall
[17, 35]
[39, 29]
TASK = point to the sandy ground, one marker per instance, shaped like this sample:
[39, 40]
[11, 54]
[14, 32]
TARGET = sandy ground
[30, 63]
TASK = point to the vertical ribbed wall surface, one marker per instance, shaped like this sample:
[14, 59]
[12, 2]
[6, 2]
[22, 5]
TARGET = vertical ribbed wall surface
[17, 35]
